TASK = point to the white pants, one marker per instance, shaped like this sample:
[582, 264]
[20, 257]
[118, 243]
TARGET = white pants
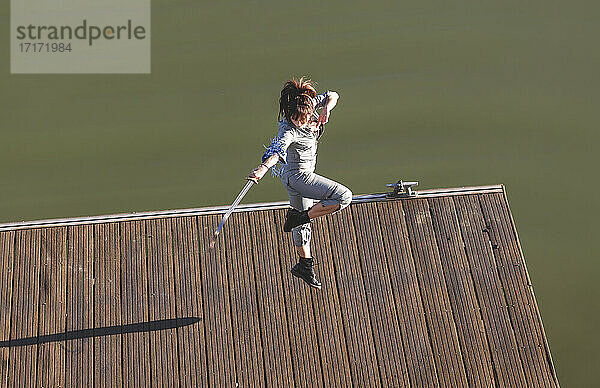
[304, 188]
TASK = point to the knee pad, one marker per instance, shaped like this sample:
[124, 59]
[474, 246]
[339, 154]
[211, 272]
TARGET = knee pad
[301, 235]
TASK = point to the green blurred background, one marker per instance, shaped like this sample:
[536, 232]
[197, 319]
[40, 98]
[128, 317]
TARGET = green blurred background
[447, 94]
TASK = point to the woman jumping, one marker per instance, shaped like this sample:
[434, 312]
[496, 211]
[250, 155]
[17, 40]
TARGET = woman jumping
[295, 146]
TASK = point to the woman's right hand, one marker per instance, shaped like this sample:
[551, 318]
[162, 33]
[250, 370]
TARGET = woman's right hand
[258, 173]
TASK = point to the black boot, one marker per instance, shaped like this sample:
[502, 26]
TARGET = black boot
[304, 270]
[295, 218]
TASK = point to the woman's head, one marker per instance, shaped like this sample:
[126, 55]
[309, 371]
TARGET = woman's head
[295, 103]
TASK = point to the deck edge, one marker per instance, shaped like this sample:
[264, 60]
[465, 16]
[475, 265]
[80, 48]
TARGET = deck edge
[530, 283]
[378, 197]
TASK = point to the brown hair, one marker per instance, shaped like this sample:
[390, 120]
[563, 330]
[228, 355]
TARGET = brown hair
[296, 99]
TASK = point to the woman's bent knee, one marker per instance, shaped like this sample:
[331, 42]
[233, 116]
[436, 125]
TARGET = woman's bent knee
[345, 198]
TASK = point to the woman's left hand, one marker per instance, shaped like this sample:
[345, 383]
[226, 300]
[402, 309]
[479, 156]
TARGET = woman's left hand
[323, 117]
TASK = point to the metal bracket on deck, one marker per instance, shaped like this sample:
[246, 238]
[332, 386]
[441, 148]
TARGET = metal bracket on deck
[402, 189]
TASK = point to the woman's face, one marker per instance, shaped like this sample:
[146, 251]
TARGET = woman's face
[302, 120]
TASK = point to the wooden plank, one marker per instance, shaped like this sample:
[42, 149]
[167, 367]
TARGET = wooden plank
[274, 325]
[331, 328]
[216, 299]
[247, 334]
[505, 357]
[380, 297]
[304, 327]
[134, 304]
[434, 291]
[80, 306]
[53, 308]
[189, 304]
[353, 303]
[25, 304]
[411, 315]
[463, 298]
[164, 363]
[522, 306]
[7, 255]
[108, 370]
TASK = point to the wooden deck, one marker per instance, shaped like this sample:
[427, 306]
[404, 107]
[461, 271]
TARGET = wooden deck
[426, 291]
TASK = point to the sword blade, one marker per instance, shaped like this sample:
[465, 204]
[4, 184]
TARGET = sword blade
[237, 201]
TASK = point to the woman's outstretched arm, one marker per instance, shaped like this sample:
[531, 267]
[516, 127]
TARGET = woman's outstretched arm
[262, 168]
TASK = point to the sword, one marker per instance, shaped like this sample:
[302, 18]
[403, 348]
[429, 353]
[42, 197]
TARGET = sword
[237, 201]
